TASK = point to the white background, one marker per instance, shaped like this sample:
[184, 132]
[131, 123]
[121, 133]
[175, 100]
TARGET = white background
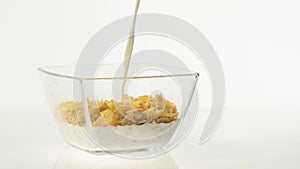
[257, 42]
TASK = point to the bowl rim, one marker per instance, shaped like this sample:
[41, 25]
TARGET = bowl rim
[43, 69]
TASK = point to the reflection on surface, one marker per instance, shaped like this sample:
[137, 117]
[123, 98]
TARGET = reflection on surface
[76, 159]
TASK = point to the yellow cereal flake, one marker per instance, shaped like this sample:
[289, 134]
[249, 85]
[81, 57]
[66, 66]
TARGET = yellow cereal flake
[144, 98]
[136, 111]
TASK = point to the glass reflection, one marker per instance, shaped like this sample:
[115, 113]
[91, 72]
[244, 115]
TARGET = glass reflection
[72, 158]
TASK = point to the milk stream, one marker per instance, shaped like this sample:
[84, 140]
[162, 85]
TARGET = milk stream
[128, 52]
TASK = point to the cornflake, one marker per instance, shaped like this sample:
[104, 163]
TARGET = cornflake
[136, 111]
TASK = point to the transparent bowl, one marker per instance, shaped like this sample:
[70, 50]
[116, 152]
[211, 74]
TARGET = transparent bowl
[80, 99]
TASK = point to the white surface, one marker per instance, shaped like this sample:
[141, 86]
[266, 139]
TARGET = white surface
[247, 138]
[257, 42]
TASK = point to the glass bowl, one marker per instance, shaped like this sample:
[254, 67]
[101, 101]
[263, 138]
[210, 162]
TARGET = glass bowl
[93, 115]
